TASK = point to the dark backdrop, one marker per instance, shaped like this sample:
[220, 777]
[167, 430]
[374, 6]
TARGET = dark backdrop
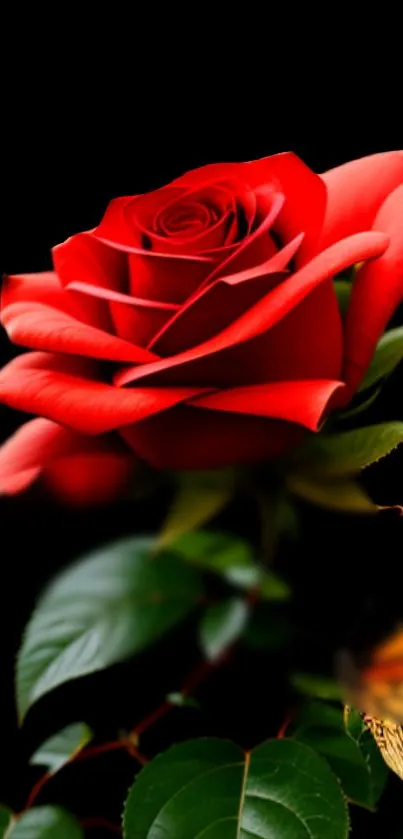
[66, 156]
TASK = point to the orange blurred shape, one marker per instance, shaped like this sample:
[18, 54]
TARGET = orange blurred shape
[386, 662]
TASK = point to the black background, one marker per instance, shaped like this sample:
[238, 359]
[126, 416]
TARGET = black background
[69, 148]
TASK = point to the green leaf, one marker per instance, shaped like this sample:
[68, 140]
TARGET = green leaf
[377, 769]
[62, 747]
[358, 407]
[221, 625]
[230, 558]
[210, 789]
[6, 819]
[353, 722]
[317, 686]
[343, 292]
[46, 823]
[388, 355]
[221, 554]
[347, 452]
[272, 587]
[182, 701]
[341, 494]
[199, 497]
[354, 758]
[105, 608]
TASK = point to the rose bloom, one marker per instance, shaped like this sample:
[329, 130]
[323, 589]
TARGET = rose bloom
[197, 326]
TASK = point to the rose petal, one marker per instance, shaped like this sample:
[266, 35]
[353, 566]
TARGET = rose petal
[271, 308]
[28, 450]
[305, 193]
[135, 319]
[192, 438]
[150, 214]
[179, 282]
[169, 280]
[356, 191]
[217, 307]
[42, 327]
[244, 201]
[80, 470]
[302, 402]
[171, 277]
[211, 173]
[118, 297]
[295, 348]
[40, 288]
[110, 257]
[46, 288]
[83, 258]
[91, 477]
[59, 388]
[221, 303]
[115, 230]
[376, 293]
[235, 261]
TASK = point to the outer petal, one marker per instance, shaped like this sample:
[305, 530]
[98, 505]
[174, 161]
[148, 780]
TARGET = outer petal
[377, 291]
[271, 308]
[305, 193]
[43, 288]
[80, 470]
[192, 438]
[29, 450]
[295, 348]
[83, 258]
[58, 389]
[42, 327]
[46, 288]
[211, 173]
[111, 257]
[356, 191]
[302, 402]
[96, 475]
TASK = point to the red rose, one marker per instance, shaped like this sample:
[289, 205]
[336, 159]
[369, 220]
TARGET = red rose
[197, 326]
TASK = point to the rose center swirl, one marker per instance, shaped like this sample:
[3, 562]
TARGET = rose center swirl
[188, 217]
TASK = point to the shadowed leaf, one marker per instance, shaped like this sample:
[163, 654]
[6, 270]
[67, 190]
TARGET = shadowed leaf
[103, 609]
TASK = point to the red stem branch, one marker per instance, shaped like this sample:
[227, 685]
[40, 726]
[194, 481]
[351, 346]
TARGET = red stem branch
[95, 823]
[36, 789]
[190, 684]
[193, 680]
[152, 718]
[103, 748]
[283, 728]
[92, 751]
